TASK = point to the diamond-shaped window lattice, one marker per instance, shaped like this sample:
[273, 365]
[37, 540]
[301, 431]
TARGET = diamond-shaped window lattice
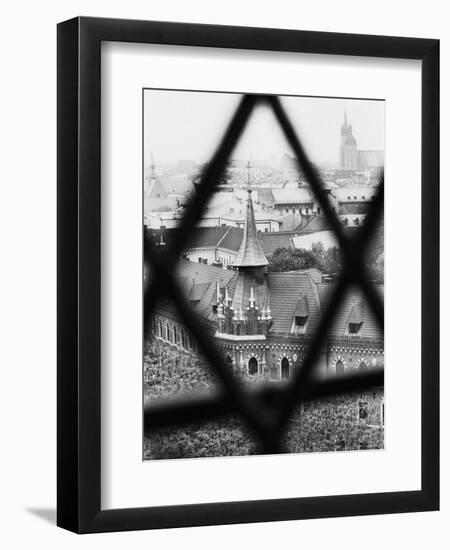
[267, 410]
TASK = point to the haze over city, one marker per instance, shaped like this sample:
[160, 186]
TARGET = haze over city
[187, 126]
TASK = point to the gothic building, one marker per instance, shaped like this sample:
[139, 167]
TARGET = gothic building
[348, 149]
[264, 321]
[352, 158]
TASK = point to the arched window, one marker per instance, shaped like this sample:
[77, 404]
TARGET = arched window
[229, 361]
[339, 367]
[253, 365]
[362, 367]
[356, 221]
[284, 369]
[345, 221]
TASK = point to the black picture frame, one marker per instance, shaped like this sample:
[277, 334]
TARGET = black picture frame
[79, 281]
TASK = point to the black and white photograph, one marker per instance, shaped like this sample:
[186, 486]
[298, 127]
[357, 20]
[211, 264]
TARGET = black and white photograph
[260, 266]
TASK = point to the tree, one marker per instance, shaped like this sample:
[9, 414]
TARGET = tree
[288, 259]
[332, 260]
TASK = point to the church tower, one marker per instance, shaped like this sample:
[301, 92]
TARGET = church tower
[250, 257]
[348, 149]
[247, 312]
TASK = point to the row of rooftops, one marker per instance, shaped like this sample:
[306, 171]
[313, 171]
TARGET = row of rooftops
[287, 294]
[229, 238]
[296, 300]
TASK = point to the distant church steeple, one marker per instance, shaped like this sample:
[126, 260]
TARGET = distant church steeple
[250, 253]
[348, 149]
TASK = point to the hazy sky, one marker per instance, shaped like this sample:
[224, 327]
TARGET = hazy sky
[187, 125]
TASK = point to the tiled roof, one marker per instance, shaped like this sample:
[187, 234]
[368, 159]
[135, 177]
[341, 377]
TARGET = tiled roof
[271, 241]
[287, 293]
[315, 224]
[205, 237]
[353, 297]
[297, 195]
[286, 289]
[232, 238]
[197, 291]
[313, 272]
[200, 284]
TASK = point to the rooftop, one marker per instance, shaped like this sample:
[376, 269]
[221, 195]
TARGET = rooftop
[250, 253]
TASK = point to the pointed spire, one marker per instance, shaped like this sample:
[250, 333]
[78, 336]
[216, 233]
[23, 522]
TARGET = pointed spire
[227, 297]
[252, 298]
[219, 294]
[250, 253]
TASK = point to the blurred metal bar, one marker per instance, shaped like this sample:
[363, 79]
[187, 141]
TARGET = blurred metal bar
[204, 408]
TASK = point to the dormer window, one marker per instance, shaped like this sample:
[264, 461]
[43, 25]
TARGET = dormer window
[300, 321]
[354, 328]
[355, 319]
[301, 315]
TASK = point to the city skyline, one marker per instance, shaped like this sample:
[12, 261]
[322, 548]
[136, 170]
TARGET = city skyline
[173, 129]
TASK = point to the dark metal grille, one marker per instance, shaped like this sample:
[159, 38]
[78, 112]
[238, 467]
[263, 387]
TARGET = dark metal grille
[265, 410]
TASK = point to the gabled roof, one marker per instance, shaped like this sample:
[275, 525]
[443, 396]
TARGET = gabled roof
[250, 253]
[271, 241]
[232, 239]
[297, 195]
[316, 223]
[154, 189]
[205, 237]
